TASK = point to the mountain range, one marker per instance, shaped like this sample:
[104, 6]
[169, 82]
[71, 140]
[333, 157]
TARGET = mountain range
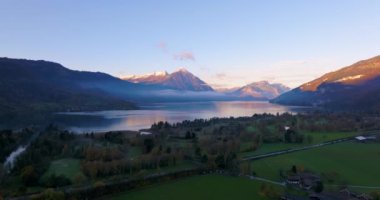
[185, 81]
[355, 87]
[28, 87]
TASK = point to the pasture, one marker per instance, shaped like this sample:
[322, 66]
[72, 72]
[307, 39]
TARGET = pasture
[199, 187]
[348, 163]
[67, 167]
[317, 137]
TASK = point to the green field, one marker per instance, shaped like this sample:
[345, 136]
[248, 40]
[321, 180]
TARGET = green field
[198, 187]
[67, 167]
[354, 163]
[134, 151]
[318, 137]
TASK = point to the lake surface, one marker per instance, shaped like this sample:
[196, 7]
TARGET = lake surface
[172, 112]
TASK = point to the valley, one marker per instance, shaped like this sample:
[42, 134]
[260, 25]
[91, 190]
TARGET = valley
[177, 100]
[120, 160]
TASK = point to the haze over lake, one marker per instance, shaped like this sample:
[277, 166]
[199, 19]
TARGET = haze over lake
[172, 112]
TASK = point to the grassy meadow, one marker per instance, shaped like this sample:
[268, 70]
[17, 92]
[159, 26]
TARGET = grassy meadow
[317, 137]
[348, 163]
[67, 167]
[199, 187]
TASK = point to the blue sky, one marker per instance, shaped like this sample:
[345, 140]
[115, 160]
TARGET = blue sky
[226, 43]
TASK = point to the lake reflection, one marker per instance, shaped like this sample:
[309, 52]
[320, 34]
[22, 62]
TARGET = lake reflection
[171, 112]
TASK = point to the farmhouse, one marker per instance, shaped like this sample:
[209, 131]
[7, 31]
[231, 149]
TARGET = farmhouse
[343, 194]
[304, 180]
[293, 180]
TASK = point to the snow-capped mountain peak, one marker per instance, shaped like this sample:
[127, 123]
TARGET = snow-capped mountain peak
[182, 69]
[261, 90]
[180, 79]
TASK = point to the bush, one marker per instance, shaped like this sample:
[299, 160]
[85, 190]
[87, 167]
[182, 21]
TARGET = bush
[51, 194]
[57, 181]
[318, 187]
[268, 191]
[29, 176]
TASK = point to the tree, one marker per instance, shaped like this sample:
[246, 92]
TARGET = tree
[188, 135]
[204, 158]
[198, 151]
[99, 187]
[294, 169]
[268, 191]
[287, 136]
[2, 172]
[232, 163]
[28, 175]
[168, 150]
[219, 161]
[375, 195]
[318, 188]
[57, 181]
[149, 144]
[51, 194]
[79, 178]
[309, 139]
[245, 168]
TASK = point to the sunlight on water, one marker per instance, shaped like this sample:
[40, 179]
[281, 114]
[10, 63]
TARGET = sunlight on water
[171, 112]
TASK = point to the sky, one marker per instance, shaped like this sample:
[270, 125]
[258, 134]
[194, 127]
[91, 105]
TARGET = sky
[225, 43]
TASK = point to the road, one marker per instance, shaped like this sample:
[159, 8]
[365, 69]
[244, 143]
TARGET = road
[356, 186]
[267, 180]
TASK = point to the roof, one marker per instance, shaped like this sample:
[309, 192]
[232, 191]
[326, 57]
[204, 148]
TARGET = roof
[360, 137]
[294, 178]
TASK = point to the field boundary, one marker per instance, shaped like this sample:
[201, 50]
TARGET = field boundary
[286, 151]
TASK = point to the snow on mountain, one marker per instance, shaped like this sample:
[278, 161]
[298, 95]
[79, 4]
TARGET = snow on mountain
[261, 90]
[180, 79]
[354, 87]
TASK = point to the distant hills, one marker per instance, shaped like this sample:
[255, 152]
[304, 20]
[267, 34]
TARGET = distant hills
[356, 87]
[178, 80]
[260, 90]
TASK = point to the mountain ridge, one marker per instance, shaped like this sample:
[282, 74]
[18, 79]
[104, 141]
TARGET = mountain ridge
[30, 88]
[261, 90]
[354, 87]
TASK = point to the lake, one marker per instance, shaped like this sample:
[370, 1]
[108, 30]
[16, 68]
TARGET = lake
[113, 120]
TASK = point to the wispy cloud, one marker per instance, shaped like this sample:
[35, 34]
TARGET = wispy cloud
[184, 55]
[221, 76]
[162, 46]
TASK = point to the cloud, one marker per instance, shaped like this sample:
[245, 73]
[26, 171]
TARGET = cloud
[163, 46]
[204, 68]
[184, 55]
[220, 76]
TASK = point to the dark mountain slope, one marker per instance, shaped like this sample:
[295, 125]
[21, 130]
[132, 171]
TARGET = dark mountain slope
[30, 87]
[356, 87]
